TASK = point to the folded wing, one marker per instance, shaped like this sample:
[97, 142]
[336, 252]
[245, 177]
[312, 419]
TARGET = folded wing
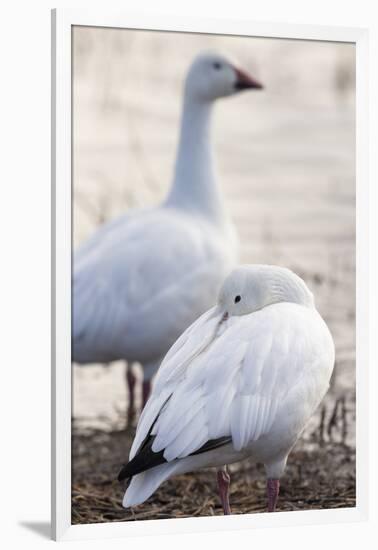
[227, 384]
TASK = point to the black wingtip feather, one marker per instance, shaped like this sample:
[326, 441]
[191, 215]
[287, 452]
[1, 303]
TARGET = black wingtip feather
[144, 460]
[147, 459]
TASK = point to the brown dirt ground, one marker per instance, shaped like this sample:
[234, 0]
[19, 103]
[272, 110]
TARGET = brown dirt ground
[318, 475]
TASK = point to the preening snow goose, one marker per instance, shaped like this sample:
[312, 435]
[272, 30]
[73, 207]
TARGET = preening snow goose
[142, 279]
[241, 382]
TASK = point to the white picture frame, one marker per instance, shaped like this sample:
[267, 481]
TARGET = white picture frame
[62, 22]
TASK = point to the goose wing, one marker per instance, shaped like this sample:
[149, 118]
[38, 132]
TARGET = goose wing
[216, 387]
[138, 272]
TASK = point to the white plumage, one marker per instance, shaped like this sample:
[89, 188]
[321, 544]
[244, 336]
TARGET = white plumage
[142, 282]
[143, 278]
[246, 376]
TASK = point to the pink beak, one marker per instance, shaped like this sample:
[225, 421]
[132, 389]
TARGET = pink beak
[245, 82]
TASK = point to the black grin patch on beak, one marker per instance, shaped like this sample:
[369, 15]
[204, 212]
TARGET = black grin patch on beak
[239, 85]
[244, 85]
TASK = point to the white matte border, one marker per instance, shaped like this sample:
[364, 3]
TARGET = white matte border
[62, 21]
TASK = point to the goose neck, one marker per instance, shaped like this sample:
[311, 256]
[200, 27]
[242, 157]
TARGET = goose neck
[194, 184]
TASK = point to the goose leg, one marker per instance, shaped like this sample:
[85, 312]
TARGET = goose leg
[223, 479]
[272, 490]
[146, 390]
[131, 382]
[149, 371]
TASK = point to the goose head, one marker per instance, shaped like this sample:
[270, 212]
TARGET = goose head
[250, 288]
[212, 76]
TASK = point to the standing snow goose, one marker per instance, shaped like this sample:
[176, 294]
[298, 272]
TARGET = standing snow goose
[142, 279]
[241, 382]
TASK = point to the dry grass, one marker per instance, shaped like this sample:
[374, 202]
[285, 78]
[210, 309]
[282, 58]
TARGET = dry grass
[319, 475]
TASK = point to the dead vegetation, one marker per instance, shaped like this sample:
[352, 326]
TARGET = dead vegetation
[320, 474]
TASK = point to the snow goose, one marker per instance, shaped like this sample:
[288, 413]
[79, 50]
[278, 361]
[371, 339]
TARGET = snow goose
[241, 382]
[140, 280]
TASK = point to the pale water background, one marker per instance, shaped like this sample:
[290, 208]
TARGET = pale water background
[286, 163]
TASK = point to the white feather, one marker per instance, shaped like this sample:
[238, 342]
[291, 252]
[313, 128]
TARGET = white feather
[143, 278]
[256, 381]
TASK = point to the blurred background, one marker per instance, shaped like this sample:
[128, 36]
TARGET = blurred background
[286, 164]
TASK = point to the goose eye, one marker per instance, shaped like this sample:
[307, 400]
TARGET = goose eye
[217, 65]
[237, 299]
